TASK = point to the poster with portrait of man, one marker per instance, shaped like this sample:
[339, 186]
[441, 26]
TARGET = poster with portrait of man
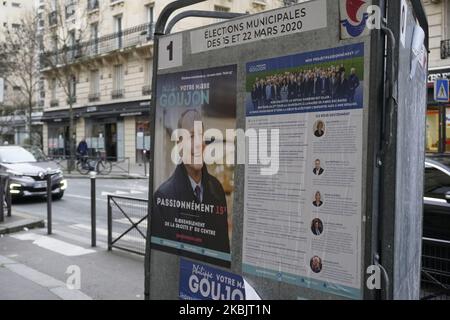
[193, 181]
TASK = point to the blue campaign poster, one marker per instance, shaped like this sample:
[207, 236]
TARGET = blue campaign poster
[201, 282]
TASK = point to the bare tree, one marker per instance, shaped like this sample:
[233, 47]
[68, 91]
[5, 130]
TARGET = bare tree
[22, 68]
[65, 42]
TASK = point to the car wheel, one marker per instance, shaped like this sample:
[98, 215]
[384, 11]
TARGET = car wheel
[58, 196]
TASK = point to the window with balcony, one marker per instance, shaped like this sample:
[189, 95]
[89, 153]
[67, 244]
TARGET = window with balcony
[72, 44]
[53, 102]
[92, 5]
[118, 82]
[94, 94]
[148, 74]
[70, 8]
[119, 31]
[94, 39]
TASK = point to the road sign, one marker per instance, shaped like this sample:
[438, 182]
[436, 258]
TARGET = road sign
[441, 90]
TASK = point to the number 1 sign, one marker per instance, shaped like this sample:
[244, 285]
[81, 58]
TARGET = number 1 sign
[170, 51]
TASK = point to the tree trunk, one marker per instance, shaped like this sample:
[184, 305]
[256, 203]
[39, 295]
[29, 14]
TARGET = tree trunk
[71, 162]
[30, 123]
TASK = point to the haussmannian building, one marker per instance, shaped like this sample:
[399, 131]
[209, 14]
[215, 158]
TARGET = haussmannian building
[12, 127]
[112, 69]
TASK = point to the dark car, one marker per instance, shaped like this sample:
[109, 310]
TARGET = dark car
[436, 220]
[28, 174]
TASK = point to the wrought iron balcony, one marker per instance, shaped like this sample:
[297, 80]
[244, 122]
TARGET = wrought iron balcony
[117, 94]
[54, 103]
[147, 90]
[126, 39]
[94, 97]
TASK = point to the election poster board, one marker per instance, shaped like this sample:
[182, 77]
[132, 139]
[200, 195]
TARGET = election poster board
[302, 226]
[299, 18]
[193, 201]
[201, 282]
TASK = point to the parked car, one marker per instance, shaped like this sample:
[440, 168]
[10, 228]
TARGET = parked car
[28, 174]
[436, 220]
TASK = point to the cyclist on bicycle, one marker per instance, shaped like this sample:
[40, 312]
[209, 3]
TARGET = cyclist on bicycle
[82, 150]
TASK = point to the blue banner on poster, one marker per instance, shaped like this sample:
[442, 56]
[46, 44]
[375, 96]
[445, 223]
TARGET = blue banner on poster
[319, 81]
[200, 282]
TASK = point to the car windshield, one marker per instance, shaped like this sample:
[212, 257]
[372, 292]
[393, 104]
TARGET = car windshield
[16, 155]
[37, 153]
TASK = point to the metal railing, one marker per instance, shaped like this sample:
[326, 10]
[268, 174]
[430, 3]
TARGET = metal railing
[119, 166]
[435, 269]
[54, 103]
[127, 38]
[147, 90]
[117, 94]
[127, 224]
[94, 97]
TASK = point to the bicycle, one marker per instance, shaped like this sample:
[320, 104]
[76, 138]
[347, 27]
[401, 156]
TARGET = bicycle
[100, 165]
[84, 165]
[104, 166]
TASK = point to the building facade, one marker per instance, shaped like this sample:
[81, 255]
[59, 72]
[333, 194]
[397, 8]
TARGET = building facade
[438, 114]
[111, 66]
[12, 124]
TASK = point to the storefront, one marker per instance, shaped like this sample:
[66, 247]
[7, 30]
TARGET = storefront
[120, 132]
[102, 137]
[58, 139]
[142, 138]
[438, 117]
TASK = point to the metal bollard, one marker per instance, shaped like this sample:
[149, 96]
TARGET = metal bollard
[49, 203]
[109, 224]
[2, 198]
[145, 162]
[93, 176]
[9, 198]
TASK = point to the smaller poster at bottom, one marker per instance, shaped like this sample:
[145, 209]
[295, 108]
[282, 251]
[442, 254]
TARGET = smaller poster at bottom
[201, 282]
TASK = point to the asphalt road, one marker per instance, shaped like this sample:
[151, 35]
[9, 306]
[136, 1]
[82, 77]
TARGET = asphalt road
[75, 207]
[34, 265]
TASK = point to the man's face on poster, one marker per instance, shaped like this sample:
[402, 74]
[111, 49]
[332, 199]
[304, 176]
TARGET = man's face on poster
[320, 126]
[318, 164]
[189, 122]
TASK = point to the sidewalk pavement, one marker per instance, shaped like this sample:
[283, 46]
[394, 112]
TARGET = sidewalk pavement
[19, 222]
[35, 266]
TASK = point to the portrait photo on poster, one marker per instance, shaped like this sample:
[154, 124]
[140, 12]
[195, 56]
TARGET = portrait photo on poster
[193, 201]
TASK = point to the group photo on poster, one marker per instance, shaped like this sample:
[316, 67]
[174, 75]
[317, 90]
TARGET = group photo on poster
[313, 85]
[192, 203]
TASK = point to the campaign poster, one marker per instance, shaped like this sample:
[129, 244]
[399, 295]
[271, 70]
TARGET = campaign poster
[193, 181]
[201, 282]
[302, 224]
